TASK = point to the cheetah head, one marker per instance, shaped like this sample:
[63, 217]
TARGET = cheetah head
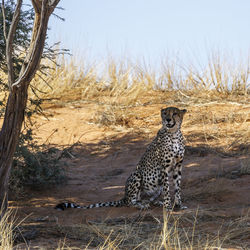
[172, 118]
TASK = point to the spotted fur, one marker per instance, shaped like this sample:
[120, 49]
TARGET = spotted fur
[149, 183]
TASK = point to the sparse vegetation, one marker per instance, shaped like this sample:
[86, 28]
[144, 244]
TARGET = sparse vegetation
[146, 231]
[36, 167]
[125, 83]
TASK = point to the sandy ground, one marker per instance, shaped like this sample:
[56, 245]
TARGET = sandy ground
[99, 164]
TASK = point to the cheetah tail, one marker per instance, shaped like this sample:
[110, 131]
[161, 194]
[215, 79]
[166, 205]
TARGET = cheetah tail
[65, 205]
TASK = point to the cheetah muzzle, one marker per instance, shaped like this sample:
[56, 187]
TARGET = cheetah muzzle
[149, 183]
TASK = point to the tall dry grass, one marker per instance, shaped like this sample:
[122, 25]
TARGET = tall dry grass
[6, 230]
[126, 82]
[172, 231]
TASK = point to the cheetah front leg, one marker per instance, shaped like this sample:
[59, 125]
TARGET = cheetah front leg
[133, 191]
[166, 193]
[177, 184]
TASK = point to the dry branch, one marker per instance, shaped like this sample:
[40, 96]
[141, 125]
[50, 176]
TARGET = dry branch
[32, 60]
[9, 42]
[4, 21]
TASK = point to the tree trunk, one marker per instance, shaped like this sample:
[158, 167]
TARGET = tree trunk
[13, 120]
[17, 100]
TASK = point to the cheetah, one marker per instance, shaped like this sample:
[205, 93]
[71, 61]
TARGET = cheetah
[149, 183]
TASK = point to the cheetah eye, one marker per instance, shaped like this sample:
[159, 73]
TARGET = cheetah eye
[175, 113]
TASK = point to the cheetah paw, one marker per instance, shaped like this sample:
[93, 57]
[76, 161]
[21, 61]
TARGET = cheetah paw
[183, 207]
[178, 207]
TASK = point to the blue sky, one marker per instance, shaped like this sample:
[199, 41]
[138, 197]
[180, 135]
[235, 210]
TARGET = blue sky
[152, 29]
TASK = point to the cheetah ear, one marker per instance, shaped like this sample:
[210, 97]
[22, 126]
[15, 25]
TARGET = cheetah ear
[183, 111]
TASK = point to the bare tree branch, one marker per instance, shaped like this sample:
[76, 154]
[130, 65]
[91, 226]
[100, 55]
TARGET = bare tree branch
[60, 18]
[43, 9]
[30, 63]
[53, 4]
[9, 43]
[4, 22]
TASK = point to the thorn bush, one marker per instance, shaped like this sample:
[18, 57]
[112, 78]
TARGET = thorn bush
[35, 165]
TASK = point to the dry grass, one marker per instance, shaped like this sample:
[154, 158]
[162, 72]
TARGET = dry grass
[126, 83]
[6, 231]
[70, 82]
[190, 230]
[133, 83]
[224, 125]
[113, 115]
